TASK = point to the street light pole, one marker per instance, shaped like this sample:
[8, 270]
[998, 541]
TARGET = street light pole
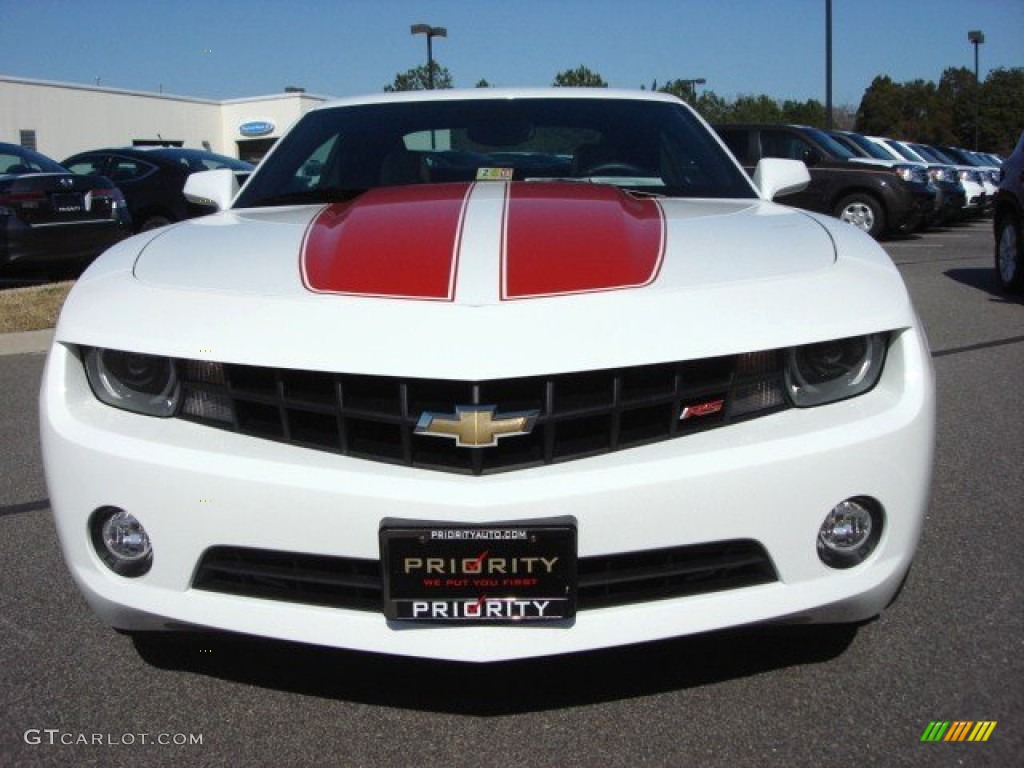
[431, 33]
[828, 65]
[976, 37]
[693, 86]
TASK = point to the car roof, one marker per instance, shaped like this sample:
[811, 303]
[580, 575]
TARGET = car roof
[498, 94]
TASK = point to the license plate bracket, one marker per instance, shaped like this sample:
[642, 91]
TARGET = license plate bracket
[522, 572]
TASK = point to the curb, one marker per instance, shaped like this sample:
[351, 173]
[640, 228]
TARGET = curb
[26, 342]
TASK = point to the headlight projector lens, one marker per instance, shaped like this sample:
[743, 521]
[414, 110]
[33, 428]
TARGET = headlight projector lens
[134, 382]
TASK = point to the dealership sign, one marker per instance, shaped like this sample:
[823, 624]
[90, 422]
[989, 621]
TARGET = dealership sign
[256, 128]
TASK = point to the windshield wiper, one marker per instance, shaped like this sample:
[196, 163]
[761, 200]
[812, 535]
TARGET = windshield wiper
[319, 195]
[609, 180]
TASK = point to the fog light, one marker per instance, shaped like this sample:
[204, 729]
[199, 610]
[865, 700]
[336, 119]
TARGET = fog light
[121, 542]
[850, 532]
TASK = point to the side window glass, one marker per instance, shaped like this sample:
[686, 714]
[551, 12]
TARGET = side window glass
[779, 144]
[314, 165]
[89, 166]
[738, 144]
[9, 162]
[126, 169]
[803, 151]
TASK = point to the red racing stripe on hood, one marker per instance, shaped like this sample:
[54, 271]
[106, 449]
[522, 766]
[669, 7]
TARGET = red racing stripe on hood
[393, 242]
[576, 238]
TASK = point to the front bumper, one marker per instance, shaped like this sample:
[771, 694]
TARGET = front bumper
[910, 205]
[771, 480]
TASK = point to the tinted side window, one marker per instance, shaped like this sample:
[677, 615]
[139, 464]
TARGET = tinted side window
[783, 144]
[87, 166]
[11, 163]
[126, 169]
[738, 143]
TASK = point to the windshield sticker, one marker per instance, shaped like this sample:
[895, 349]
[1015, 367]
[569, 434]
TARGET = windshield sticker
[494, 174]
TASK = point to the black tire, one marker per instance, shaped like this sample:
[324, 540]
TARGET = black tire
[154, 222]
[1009, 252]
[864, 212]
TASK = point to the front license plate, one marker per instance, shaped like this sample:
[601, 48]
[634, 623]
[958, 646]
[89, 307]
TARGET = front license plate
[505, 573]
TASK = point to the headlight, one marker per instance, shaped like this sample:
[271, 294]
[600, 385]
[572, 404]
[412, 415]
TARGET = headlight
[905, 172]
[135, 382]
[834, 370]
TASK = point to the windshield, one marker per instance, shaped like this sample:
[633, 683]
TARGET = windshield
[834, 147]
[906, 152]
[933, 154]
[646, 146]
[872, 149]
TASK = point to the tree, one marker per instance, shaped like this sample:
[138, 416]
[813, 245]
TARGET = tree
[755, 109]
[681, 89]
[481, 83]
[417, 79]
[946, 113]
[581, 77]
[920, 113]
[1002, 105]
[958, 94]
[713, 107]
[810, 112]
[879, 110]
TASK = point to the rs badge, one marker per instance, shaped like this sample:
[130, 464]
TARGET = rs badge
[476, 426]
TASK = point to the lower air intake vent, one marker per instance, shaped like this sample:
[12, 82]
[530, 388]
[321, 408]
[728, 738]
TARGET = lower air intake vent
[604, 581]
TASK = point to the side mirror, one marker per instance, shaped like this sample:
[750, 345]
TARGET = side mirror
[215, 188]
[775, 177]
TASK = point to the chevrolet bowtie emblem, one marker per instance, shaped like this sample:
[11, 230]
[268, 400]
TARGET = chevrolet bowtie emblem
[476, 426]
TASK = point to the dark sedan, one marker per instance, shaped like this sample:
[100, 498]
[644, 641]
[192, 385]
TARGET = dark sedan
[152, 178]
[51, 219]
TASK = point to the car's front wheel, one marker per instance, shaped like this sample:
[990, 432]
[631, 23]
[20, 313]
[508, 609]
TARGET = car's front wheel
[864, 212]
[1009, 253]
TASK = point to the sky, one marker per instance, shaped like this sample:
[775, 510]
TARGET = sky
[225, 49]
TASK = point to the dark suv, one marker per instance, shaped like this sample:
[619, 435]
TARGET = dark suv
[1008, 215]
[878, 200]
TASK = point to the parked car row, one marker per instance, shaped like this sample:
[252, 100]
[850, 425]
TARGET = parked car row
[49, 215]
[152, 178]
[979, 178]
[60, 216]
[880, 185]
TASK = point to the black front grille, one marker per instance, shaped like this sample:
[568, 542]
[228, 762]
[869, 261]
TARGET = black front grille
[606, 581]
[578, 414]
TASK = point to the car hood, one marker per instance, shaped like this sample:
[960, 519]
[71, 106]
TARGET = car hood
[486, 281]
[486, 244]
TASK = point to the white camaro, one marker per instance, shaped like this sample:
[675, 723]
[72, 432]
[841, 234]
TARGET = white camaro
[485, 375]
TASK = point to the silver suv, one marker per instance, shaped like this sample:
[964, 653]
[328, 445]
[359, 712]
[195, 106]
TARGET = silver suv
[1008, 219]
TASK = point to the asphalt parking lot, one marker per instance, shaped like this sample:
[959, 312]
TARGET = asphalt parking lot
[951, 648]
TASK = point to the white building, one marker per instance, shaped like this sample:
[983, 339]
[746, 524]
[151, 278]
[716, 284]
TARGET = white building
[60, 119]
